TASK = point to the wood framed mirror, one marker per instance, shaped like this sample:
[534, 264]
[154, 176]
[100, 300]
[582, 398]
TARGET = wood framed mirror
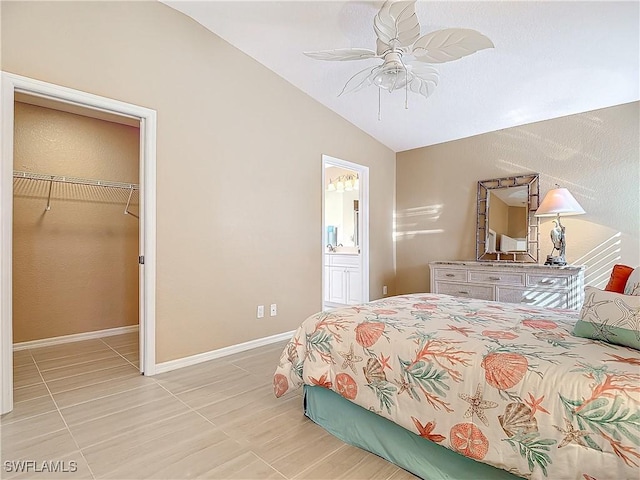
[506, 227]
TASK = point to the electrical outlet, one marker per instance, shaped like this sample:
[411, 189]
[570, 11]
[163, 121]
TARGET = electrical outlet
[384, 289]
[260, 313]
[274, 310]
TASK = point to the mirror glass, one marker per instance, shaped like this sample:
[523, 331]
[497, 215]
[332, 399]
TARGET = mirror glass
[508, 218]
[507, 229]
[341, 198]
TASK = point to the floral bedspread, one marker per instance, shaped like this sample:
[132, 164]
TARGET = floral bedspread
[501, 383]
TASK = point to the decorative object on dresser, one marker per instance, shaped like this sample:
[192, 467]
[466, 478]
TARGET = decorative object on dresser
[558, 201]
[506, 227]
[526, 283]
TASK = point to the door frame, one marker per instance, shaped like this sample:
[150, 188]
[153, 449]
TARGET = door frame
[363, 232]
[9, 85]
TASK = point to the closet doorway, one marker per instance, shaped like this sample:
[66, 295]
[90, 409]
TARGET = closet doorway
[345, 233]
[131, 129]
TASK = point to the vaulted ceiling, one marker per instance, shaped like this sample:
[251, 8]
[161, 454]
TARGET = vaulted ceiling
[550, 59]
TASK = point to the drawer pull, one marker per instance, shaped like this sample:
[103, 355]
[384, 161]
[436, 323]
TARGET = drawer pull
[494, 278]
[450, 275]
[547, 282]
[463, 292]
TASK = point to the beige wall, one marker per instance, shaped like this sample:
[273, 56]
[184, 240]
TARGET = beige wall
[498, 217]
[239, 156]
[75, 267]
[517, 222]
[593, 154]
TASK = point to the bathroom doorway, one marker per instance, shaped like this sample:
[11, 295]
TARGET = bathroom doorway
[345, 233]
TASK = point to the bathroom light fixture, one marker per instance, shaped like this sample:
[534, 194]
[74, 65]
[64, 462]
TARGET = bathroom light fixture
[344, 183]
[558, 201]
[348, 185]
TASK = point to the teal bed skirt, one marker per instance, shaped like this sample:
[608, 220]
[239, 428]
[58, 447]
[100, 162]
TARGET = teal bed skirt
[359, 427]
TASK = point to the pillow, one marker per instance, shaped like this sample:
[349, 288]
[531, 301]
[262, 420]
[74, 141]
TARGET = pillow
[610, 317]
[633, 283]
[618, 280]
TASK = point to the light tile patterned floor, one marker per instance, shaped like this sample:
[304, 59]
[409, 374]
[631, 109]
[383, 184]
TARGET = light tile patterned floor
[85, 402]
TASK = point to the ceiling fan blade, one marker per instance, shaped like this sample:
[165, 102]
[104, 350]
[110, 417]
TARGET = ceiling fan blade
[425, 80]
[342, 54]
[449, 44]
[396, 21]
[360, 80]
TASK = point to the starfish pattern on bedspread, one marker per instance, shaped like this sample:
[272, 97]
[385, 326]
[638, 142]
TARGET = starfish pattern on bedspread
[350, 359]
[571, 435]
[477, 405]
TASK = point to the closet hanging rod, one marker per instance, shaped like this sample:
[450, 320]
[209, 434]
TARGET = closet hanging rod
[75, 180]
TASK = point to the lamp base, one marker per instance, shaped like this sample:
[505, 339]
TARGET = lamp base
[559, 260]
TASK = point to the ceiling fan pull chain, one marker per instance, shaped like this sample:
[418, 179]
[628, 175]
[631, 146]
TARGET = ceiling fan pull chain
[379, 116]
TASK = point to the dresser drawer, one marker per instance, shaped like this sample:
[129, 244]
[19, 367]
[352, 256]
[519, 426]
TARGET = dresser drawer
[499, 278]
[450, 274]
[533, 297]
[547, 281]
[471, 291]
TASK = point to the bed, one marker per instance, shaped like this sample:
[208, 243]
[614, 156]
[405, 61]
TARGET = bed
[449, 387]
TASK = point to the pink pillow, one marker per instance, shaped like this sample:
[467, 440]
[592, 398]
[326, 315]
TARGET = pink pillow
[619, 276]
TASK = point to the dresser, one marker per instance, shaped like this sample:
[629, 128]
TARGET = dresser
[342, 279]
[529, 284]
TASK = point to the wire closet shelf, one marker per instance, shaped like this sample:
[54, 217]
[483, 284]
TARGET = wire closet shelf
[75, 180]
[79, 181]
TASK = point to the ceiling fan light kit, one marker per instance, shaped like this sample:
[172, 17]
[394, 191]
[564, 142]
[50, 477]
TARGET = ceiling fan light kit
[393, 74]
[406, 55]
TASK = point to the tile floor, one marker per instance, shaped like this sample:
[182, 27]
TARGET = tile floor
[85, 402]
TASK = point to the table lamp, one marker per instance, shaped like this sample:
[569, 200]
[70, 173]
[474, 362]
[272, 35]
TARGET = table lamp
[556, 202]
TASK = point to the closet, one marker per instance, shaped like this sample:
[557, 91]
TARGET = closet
[75, 224]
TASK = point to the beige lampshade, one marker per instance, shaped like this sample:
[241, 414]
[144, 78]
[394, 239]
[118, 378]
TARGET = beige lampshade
[559, 201]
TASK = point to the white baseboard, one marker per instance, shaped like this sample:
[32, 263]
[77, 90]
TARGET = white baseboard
[76, 337]
[221, 352]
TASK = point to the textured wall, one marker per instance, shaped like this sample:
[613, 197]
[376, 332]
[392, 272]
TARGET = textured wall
[239, 164]
[75, 267]
[594, 154]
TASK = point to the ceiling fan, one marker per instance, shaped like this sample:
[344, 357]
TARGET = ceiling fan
[406, 55]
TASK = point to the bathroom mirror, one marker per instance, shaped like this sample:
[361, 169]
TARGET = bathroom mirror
[342, 212]
[506, 228]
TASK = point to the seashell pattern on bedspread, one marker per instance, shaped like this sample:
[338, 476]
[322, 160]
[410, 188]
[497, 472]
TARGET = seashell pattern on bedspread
[504, 384]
